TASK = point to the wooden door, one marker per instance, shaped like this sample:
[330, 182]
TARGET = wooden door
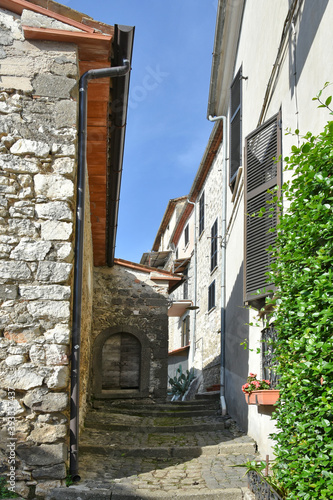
[121, 362]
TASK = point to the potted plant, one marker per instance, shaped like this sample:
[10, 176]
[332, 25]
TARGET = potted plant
[259, 391]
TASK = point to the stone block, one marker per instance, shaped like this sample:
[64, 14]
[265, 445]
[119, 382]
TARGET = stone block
[8, 292]
[59, 378]
[62, 150]
[56, 230]
[22, 209]
[58, 335]
[10, 163]
[43, 401]
[14, 270]
[66, 114]
[37, 20]
[45, 454]
[25, 228]
[15, 82]
[58, 310]
[31, 250]
[65, 252]
[50, 292]
[56, 272]
[28, 147]
[55, 472]
[55, 210]
[18, 66]
[54, 187]
[15, 359]
[47, 433]
[64, 166]
[23, 377]
[53, 86]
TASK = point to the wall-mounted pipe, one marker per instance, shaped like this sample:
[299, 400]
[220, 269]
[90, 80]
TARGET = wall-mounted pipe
[223, 258]
[195, 283]
[78, 259]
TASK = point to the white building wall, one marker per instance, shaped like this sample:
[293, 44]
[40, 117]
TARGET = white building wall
[304, 70]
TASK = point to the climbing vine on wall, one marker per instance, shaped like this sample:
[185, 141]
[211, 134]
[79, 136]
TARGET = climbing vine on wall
[303, 273]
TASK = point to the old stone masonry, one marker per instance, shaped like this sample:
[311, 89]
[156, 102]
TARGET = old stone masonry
[38, 115]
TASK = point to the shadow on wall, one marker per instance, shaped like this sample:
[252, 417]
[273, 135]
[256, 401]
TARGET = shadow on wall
[311, 16]
[236, 357]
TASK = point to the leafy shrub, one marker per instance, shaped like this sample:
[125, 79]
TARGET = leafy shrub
[4, 491]
[303, 273]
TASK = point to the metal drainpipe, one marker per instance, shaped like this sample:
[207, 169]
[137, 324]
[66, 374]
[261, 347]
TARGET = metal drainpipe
[223, 259]
[195, 279]
[78, 259]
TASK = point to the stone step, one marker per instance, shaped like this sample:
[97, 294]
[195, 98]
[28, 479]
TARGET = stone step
[121, 493]
[171, 407]
[158, 412]
[167, 452]
[210, 395]
[180, 428]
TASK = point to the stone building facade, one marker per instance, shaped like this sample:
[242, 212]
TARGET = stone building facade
[44, 48]
[130, 314]
[192, 236]
[38, 128]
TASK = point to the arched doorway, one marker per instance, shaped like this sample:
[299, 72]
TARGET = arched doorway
[121, 363]
[121, 359]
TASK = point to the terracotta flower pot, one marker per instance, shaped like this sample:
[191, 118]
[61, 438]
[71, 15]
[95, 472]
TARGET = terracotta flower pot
[267, 397]
[250, 398]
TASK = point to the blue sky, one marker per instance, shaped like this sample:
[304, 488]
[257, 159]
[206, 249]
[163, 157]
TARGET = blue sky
[167, 129]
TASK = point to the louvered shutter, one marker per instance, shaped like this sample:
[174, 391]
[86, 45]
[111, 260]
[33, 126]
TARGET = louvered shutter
[235, 127]
[261, 173]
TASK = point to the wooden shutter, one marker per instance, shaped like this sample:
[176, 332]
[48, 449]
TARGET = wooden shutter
[262, 172]
[235, 127]
[202, 213]
[213, 246]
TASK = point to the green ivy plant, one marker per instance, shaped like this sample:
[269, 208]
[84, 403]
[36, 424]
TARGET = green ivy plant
[303, 273]
[4, 491]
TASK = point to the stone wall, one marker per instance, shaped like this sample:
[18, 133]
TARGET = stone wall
[128, 300]
[208, 323]
[38, 132]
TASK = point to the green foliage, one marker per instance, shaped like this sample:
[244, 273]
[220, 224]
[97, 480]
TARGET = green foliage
[303, 274]
[258, 467]
[180, 384]
[4, 492]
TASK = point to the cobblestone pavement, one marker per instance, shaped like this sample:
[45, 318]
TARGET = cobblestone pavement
[133, 464]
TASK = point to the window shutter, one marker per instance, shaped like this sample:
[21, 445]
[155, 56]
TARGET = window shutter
[235, 126]
[202, 213]
[213, 246]
[261, 173]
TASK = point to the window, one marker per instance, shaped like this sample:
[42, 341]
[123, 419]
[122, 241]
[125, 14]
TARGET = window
[213, 246]
[262, 173]
[185, 286]
[235, 127]
[202, 213]
[211, 296]
[186, 331]
[186, 235]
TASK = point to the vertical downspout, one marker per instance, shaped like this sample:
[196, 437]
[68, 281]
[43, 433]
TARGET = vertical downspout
[223, 259]
[194, 281]
[78, 259]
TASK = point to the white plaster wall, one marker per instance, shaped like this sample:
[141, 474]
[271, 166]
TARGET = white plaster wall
[258, 46]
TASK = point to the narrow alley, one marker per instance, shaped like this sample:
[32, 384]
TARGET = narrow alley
[134, 450]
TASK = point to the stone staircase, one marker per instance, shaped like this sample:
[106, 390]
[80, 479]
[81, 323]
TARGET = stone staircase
[141, 450]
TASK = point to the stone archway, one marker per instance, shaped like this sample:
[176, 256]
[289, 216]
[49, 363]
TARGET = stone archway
[121, 363]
